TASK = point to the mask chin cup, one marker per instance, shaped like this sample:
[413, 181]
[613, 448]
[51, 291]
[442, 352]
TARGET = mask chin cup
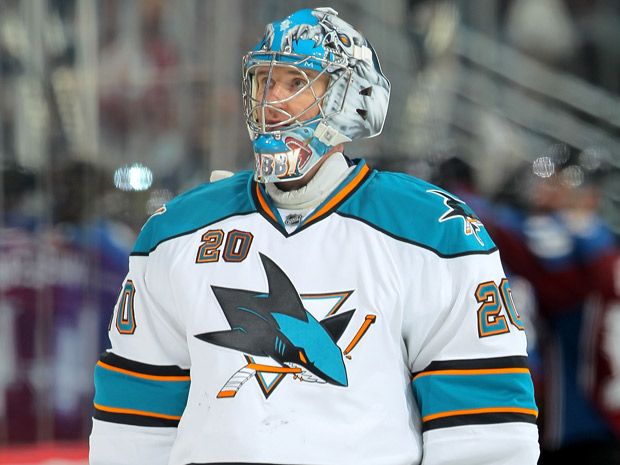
[287, 156]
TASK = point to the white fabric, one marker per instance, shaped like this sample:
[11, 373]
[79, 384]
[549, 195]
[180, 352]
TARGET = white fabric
[425, 310]
[463, 443]
[114, 444]
[301, 202]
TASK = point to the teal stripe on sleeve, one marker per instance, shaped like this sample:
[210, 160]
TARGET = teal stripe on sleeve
[442, 393]
[124, 391]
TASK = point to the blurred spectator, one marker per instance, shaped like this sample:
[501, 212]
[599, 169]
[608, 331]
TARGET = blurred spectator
[17, 183]
[137, 102]
[563, 248]
[543, 29]
[57, 293]
[18, 295]
[89, 254]
[577, 36]
[564, 268]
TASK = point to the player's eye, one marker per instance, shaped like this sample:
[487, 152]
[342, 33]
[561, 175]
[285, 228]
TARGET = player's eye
[298, 83]
[262, 81]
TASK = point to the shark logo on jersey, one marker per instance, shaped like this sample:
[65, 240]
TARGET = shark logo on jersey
[276, 326]
[457, 209]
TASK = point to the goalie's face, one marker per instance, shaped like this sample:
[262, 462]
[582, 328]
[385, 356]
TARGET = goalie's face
[286, 95]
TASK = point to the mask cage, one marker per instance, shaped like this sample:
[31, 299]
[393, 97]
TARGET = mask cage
[255, 106]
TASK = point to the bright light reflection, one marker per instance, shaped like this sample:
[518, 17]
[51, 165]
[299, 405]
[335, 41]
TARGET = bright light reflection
[135, 177]
[591, 158]
[573, 176]
[543, 167]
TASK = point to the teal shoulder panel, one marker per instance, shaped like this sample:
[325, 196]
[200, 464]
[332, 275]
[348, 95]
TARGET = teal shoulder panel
[418, 212]
[199, 207]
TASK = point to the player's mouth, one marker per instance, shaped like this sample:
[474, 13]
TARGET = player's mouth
[277, 125]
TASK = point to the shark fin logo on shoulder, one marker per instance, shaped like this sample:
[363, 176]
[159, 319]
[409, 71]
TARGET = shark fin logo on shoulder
[276, 327]
[457, 209]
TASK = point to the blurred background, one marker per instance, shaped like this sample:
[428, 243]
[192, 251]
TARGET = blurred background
[108, 109]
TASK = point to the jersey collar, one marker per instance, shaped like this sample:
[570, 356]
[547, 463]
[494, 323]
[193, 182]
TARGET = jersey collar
[268, 210]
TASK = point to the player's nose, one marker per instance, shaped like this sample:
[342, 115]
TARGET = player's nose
[277, 94]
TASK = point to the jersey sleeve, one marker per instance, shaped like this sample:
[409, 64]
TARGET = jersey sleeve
[467, 354]
[142, 382]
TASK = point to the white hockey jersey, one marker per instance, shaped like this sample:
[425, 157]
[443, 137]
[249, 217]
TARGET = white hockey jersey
[381, 331]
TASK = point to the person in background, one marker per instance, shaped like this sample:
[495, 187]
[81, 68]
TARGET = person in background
[555, 238]
[18, 313]
[57, 282]
[314, 310]
[85, 255]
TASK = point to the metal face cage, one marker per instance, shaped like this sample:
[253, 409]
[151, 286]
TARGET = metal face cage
[256, 105]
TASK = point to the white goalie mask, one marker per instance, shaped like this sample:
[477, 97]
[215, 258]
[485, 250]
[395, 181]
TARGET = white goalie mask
[336, 67]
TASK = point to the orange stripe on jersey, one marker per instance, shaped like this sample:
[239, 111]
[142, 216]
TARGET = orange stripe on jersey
[272, 369]
[453, 413]
[340, 195]
[136, 412]
[484, 371]
[263, 203]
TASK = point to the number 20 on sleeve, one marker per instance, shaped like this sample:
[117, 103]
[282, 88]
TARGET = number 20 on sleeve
[493, 300]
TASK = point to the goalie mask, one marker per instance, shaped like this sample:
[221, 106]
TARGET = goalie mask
[311, 83]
